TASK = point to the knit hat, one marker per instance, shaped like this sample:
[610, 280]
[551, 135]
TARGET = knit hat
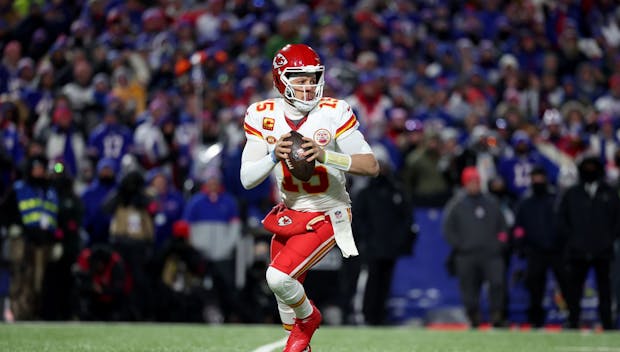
[469, 174]
[180, 229]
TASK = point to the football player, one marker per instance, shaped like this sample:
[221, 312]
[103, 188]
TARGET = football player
[313, 216]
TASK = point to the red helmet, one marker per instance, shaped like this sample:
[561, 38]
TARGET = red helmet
[297, 58]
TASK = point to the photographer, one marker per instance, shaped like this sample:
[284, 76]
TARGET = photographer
[102, 285]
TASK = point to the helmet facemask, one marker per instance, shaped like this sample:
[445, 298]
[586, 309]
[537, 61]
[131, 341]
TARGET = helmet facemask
[309, 90]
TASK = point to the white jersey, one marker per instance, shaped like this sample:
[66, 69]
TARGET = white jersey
[331, 120]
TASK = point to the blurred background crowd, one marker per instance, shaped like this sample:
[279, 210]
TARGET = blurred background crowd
[121, 133]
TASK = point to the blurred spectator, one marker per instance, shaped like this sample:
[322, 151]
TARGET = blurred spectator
[481, 151]
[59, 58]
[610, 102]
[63, 141]
[537, 239]
[396, 125]
[11, 55]
[102, 285]
[179, 271]
[433, 109]
[23, 85]
[256, 292]
[11, 148]
[131, 234]
[109, 139]
[80, 91]
[413, 136]
[96, 222]
[569, 56]
[384, 226]
[215, 231]
[587, 81]
[426, 183]
[287, 31]
[604, 142]
[210, 22]
[43, 101]
[116, 34]
[498, 188]
[58, 286]
[168, 204]
[515, 169]
[553, 129]
[151, 147]
[475, 228]
[129, 90]
[371, 105]
[588, 224]
[31, 217]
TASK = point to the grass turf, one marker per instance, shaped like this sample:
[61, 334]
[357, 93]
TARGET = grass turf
[87, 337]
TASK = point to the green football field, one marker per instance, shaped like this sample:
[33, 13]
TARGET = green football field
[83, 337]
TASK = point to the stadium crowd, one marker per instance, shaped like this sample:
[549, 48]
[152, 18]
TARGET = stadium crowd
[121, 128]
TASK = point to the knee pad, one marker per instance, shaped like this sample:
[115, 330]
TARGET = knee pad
[281, 284]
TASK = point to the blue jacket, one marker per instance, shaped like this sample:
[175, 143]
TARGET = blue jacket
[96, 222]
[169, 209]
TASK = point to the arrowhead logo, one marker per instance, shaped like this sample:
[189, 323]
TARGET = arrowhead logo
[284, 221]
[279, 60]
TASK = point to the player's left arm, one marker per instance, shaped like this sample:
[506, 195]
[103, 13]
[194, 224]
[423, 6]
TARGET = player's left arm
[356, 157]
[363, 161]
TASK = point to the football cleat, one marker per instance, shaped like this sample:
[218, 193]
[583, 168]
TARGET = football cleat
[299, 339]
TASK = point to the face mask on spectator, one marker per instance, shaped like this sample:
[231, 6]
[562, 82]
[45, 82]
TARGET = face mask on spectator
[539, 188]
[107, 180]
[589, 176]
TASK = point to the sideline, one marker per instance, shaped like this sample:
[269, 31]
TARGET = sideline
[271, 346]
[587, 349]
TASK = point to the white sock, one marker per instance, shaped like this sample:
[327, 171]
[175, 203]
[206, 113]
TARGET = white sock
[289, 291]
[287, 315]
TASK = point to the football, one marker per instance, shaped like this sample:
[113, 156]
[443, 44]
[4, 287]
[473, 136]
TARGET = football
[296, 163]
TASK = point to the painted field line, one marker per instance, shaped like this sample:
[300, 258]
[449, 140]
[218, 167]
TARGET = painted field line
[271, 346]
[587, 349]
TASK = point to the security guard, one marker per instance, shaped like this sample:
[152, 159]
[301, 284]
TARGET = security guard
[30, 213]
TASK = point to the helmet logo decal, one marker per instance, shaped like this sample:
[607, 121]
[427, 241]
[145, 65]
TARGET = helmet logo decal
[279, 60]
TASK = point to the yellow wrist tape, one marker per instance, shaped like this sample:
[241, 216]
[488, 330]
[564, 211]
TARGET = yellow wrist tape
[338, 160]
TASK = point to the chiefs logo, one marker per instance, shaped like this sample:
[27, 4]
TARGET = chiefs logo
[271, 139]
[284, 221]
[279, 60]
[322, 137]
[268, 123]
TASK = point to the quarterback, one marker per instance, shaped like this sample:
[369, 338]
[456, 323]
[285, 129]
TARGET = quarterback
[313, 216]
